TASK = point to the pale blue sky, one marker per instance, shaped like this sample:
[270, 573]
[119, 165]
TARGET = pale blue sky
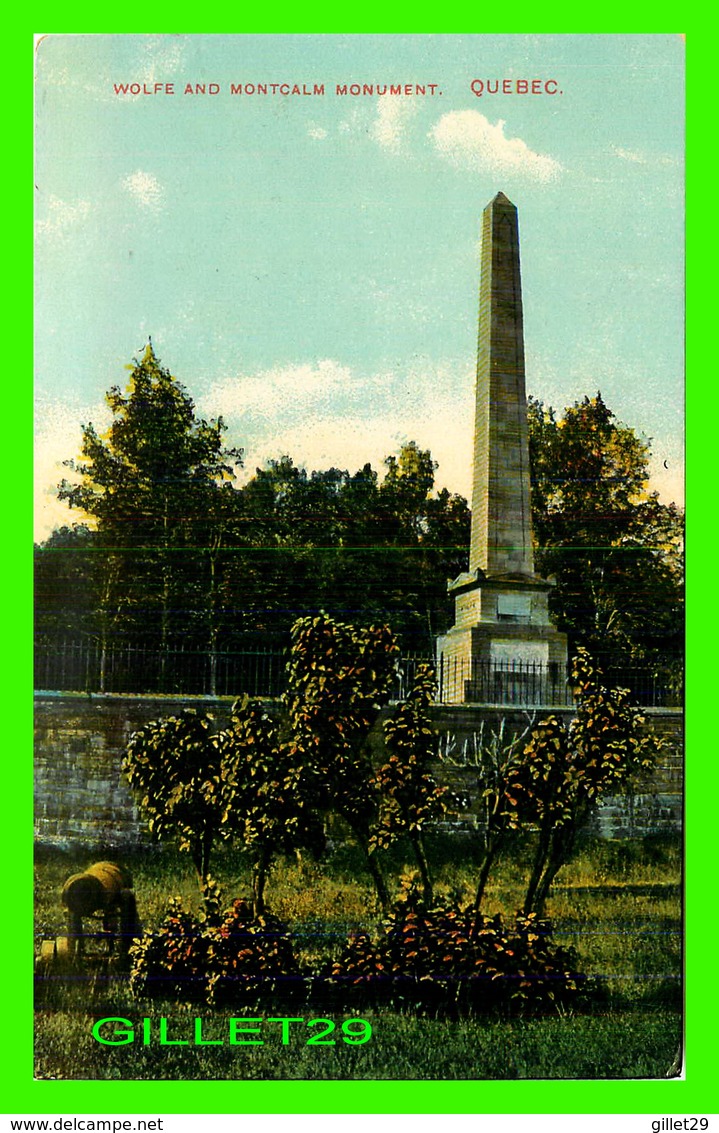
[308, 265]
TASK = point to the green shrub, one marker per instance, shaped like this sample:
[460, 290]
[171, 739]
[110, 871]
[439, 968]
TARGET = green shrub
[171, 962]
[448, 960]
[232, 957]
[250, 959]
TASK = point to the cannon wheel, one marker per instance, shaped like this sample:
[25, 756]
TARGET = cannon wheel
[65, 949]
[56, 955]
[46, 958]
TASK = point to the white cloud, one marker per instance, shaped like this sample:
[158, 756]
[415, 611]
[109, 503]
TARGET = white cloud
[637, 157]
[62, 216]
[164, 56]
[325, 414]
[145, 189]
[387, 125]
[289, 389]
[65, 81]
[629, 155]
[468, 140]
[393, 114]
[351, 441]
[58, 437]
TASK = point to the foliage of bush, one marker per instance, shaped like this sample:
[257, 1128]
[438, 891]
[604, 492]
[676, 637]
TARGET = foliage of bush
[273, 784]
[250, 959]
[266, 793]
[233, 957]
[410, 799]
[339, 677]
[446, 959]
[565, 771]
[175, 769]
[171, 962]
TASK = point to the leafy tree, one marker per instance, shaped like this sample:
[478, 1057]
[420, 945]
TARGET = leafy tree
[426, 538]
[266, 796]
[613, 548]
[175, 768]
[410, 799]
[66, 582]
[404, 492]
[496, 757]
[339, 678]
[196, 785]
[290, 529]
[151, 483]
[363, 549]
[564, 772]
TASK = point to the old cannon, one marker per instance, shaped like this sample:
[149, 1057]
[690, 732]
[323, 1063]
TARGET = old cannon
[104, 893]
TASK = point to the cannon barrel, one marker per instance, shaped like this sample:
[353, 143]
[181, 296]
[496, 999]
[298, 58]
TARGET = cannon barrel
[104, 889]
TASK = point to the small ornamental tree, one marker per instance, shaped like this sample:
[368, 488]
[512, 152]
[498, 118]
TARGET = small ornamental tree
[339, 678]
[541, 791]
[174, 767]
[495, 758]
[266, 793]
[409, 797]
[565, 772]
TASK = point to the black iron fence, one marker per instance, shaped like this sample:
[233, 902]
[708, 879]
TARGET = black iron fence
[525, 684]
[86, 665]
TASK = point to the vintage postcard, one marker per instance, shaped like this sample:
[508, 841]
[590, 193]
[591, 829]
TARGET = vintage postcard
[359, 641]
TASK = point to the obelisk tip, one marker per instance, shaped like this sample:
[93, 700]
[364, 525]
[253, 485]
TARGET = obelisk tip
[501, 199]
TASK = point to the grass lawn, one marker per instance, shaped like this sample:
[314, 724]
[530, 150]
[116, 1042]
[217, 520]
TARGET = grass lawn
[617, 903]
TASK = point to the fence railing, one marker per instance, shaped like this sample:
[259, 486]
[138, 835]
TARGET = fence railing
[85, 665]
[525, 684]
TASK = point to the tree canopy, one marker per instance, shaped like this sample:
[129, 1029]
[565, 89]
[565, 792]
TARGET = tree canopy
[175, 554]
[172, 553]
[614, 549]
[156, 487]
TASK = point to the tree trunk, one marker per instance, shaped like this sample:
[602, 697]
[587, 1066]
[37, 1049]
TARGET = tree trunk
[542, 892]
[540, 860]
[201, 850]
[106, 618]
[487, 863]
[259, 879]
[165, 608]
[379, 881]
[206, 851]
[103, 660]
[362, 838]
[421, 856]
[562, 844]
[212, 613]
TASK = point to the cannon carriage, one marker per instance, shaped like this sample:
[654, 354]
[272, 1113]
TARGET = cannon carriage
[103, 895]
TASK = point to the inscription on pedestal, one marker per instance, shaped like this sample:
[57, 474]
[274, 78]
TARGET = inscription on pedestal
[528, 653]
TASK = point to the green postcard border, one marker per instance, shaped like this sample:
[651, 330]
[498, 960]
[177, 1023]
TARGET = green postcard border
[22, 1095]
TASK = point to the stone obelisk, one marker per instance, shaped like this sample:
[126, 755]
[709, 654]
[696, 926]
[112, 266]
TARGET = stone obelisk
[502, 634]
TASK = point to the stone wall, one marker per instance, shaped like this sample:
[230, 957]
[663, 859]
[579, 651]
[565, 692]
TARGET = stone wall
[81, 797]
[655, 806]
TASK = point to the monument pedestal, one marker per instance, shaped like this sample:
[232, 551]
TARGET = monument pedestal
[503, 647]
